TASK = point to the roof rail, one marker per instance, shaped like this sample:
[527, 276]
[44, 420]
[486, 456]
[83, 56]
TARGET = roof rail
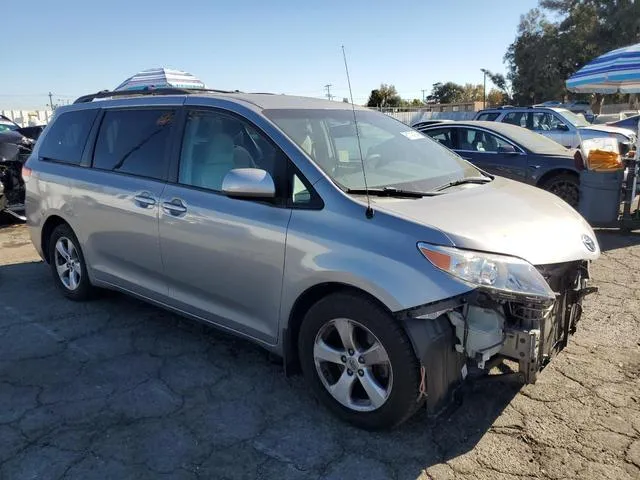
[148, 91]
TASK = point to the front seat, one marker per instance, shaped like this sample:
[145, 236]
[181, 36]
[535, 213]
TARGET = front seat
[217, 160]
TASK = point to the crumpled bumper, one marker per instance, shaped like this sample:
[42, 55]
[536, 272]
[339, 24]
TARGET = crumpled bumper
[479, 330]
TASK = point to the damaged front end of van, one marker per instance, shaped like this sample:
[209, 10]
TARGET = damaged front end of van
[517, 315]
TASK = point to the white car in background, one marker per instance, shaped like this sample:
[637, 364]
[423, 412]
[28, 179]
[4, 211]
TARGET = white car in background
[559, 124]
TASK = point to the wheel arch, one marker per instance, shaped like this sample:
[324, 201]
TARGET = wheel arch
[47, 229]
[554, 173]
[301, 306]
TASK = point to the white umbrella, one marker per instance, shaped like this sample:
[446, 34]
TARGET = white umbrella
[161, 78]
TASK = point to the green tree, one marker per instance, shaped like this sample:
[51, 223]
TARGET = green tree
[496, 97]
[375, 99]
[501, 83]
[471, 93]
[545, 53]
[384, 96]
[449, 92]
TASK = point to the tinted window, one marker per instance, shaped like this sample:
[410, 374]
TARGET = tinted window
[478, 140]
[134, 142]
[67, 136]
[442, 135]
[215, 143]
[488, 117]
[516, 118]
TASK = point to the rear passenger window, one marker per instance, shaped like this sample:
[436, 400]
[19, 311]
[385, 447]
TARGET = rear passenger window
[488, 117]
[67, 135]
[516, 118]
[135, 142]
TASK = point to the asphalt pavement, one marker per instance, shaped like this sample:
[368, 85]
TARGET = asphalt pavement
[117, 389]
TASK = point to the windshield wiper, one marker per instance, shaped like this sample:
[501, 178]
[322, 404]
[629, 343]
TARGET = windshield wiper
[462, 181]
[390, 192]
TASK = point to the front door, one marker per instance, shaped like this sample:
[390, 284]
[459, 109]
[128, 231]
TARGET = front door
[224, 257]
[553, 127]
[491, 153]
[116, 201]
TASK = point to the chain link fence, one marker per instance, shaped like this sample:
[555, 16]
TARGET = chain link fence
[410, 115]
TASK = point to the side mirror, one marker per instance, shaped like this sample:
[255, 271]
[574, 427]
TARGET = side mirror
[562, 127]
[248, 183]
[509, 149]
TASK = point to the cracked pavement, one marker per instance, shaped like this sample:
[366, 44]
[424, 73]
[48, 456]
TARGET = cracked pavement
[115, 389]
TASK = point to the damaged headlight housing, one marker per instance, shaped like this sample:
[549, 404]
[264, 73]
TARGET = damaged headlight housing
[499, 273]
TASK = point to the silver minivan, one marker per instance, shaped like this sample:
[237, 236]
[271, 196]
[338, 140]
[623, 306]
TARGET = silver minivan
[378, 263]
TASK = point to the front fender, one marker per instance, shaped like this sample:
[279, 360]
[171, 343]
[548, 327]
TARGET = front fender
[399, 281]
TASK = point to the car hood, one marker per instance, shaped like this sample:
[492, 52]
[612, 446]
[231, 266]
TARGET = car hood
[610, 129]
[504, 217]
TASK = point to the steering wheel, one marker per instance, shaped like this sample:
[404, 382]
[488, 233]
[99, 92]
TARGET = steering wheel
[378, 160]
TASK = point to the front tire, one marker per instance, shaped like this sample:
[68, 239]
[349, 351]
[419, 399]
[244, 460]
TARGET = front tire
[359, 362]
[68, 265]
[565, 186]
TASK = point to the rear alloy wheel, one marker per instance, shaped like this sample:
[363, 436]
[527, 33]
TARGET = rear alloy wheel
[359, 361]
[565, 186]
[68, 265]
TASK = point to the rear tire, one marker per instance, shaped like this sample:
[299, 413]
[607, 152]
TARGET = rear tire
[565, 186]
[68, 265]
[373, 385]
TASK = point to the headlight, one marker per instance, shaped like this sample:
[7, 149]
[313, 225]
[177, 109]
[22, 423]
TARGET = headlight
[499, 273]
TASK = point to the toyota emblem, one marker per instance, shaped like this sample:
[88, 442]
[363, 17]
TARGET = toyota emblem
[589, 243]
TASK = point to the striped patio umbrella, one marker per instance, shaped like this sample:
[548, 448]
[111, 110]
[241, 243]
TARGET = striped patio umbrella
[161, 78]
[617, 71]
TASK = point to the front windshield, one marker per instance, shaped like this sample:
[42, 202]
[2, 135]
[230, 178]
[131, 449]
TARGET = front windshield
[394, 154]
[573, 118]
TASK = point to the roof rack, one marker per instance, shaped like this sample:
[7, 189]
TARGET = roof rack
[148, 91]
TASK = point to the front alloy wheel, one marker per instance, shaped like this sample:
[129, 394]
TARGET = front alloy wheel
[353, 365]
[358, 361]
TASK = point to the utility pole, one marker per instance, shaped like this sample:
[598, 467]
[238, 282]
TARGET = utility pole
[328, 88]
[484, 88]
[423, 95]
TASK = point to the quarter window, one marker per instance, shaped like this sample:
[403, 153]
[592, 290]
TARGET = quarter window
[66, 137]
[135, 142]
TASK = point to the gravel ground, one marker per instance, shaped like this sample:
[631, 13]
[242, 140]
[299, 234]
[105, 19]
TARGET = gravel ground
[116, 389]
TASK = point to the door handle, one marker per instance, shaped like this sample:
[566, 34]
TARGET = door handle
[145, 200]
[534, 167]
[174, 207]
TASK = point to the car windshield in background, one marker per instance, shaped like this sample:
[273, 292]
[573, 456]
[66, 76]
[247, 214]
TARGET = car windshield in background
[574, 118]
[6, 126]
[394, 154]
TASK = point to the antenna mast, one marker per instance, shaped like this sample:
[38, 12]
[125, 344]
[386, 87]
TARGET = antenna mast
[369, 211]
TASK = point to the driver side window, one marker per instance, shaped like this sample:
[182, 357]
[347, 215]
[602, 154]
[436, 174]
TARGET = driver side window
[215, 143]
